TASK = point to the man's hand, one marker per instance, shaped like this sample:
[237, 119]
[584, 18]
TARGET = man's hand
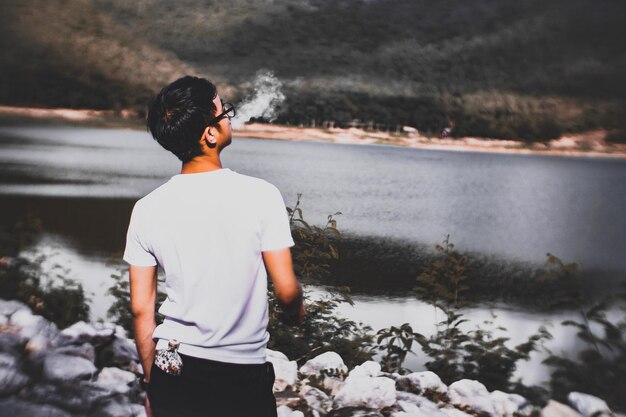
[143, 286]
[288, 290]
[293, 319]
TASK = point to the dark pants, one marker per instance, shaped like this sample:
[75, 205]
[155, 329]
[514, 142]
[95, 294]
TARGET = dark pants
[207, 388]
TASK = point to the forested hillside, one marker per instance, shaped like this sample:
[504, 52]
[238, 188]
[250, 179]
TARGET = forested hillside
[527, 68]
[68, 53]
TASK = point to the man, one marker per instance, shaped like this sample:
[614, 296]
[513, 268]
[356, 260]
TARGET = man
[216, 234]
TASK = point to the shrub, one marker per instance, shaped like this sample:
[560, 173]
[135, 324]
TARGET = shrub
[322, 330]
[601, 363]
[50, 293]
[455, 352]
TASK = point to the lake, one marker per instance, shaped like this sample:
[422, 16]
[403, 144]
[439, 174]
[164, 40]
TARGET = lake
[82, 183]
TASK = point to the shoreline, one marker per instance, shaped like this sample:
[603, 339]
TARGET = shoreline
[588, 144]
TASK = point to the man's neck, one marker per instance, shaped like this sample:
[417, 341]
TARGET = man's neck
[202, 163]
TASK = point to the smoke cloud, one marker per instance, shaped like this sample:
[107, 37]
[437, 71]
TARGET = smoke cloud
[263, 101]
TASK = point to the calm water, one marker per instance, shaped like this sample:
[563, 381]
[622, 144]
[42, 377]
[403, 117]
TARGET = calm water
[516, 206]
[82, 182]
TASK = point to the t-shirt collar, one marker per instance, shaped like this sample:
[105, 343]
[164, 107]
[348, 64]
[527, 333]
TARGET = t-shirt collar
[203, 174]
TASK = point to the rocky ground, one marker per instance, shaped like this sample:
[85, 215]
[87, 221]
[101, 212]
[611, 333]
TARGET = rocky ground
[92, 369]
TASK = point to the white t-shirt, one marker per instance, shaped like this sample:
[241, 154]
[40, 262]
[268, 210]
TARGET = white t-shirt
[207, 232]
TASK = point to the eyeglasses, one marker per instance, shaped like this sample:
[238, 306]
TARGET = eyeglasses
[228, 110]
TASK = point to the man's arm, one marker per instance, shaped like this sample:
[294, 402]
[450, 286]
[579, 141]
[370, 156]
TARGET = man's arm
[288, 290]
[143, 287]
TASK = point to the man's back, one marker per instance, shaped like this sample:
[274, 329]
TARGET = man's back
[207, 231]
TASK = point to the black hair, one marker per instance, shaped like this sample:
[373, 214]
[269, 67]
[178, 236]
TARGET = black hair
[178, 115]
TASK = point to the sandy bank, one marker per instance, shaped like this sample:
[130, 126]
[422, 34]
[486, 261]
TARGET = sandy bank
[589, 144]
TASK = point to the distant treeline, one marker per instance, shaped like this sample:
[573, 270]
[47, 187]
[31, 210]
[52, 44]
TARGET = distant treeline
[527, 69]
[493, 115]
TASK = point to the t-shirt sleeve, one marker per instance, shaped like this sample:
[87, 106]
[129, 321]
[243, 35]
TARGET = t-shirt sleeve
[137, 252]
[276, 230]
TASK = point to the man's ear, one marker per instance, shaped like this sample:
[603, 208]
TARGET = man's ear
[208, 136]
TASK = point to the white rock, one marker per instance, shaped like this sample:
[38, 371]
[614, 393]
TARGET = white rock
[507, 404]
[588, 405]
[416, 413]
[31, 325]
[11, 380]
[108, 328]
[8, 307]
[116, 375]
[369, 368]
[120, 332]
[286, 371]
[78, 329]
[81, 332]
[115, 379]
[556, 409]
[138, 410]
[86, 350]
[117, 407]
[59, 367]
[473, 394]
[328, 361]
[10, 342]
[275, 354]
[316, 399]
[7, 360]
[284, 411]
[14, 407]
[419, 382]
[409, 397]
[454, 412]
[119, 353]
[76, 395]
[378, 392]
[333, 384]
[37, 344]
[420, 406]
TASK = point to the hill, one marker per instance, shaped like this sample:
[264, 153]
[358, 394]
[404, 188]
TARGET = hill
[529, 68]
[71, 54]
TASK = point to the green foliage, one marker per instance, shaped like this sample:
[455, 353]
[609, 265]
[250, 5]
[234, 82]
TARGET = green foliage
[456, 352]
[119, 310]
[601, 362]
[322, 330]
[477, 354]
[442, 282]
[50, 292]
[396, 342]
[563, 282]
[316, 247]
